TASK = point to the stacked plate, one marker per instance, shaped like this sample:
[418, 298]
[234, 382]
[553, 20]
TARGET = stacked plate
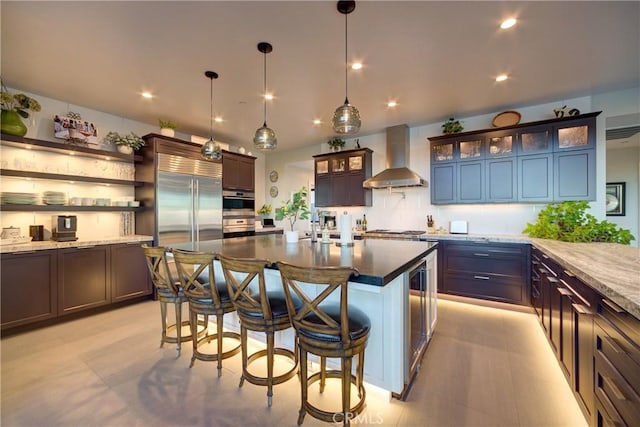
[54, 198]
[8, 198]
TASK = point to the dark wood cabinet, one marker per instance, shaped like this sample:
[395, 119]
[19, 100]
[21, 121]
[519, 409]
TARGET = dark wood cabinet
[129, 274]
[29, 287]
[494, 271]
[83, 278]
[617, 365]
[43, 285]
[238, 171]
[549, 160]
[339, 177]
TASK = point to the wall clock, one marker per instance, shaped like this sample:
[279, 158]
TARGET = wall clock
[273, 192]
[273, 176]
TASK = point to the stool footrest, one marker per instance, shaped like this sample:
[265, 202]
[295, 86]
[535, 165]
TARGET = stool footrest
[334, 417]
[263, 381]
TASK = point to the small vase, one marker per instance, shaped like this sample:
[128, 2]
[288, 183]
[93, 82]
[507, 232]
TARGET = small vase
[291, 236]
[125, 149]
[167, 132]
[12, 123]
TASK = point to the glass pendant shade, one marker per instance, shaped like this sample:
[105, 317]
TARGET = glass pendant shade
[211, 150]
[346, 119]
[265, 138]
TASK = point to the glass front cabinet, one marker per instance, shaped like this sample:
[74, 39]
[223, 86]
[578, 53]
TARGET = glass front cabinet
[545, 161]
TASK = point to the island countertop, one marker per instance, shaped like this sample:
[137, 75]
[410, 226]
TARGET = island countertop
[378, 261]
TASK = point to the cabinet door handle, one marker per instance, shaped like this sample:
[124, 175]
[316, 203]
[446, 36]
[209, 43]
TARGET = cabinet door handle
[480, 254]
[612, 306]
[86, 247]
[481, 277]
[580, 309]
[568, 273]
[552, 279]
[614, 388]
[23, 252]
[614, 345]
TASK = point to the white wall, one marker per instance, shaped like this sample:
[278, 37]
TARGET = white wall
[623, 166]
[391, 210]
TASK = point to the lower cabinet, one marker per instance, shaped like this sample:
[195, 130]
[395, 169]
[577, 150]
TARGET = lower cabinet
[597, 343]
[491, 271]
[617, 366]
[83, 278]
[128, 279]
[29, 287]
[43, 285]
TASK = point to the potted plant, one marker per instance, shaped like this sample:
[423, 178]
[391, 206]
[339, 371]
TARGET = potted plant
[452, 126]
[15, 106]
[167, 127]
[336, 144]
[294, 209]
[125, 143]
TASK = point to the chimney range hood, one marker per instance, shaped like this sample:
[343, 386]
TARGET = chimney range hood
[397, 174]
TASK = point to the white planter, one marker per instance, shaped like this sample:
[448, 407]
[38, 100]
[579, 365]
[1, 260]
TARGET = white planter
[167, 132]
[125, 149]
[291, 236]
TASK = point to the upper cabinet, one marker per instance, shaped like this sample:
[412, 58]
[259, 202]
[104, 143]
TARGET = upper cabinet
[339, 177]
[545, 161]
[238, 171]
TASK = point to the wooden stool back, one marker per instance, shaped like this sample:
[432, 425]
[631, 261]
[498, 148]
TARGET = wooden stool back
[240, 291]
[197, 275]
[161, 277]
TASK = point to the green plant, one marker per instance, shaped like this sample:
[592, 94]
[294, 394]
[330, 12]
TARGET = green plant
[452, 126]
[336, 143]
[294, 208]
[167, 124]
[265, 210]
[18, 102]
[132, 140]
[567, 221]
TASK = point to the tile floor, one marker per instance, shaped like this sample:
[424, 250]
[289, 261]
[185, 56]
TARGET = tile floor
[485, 366]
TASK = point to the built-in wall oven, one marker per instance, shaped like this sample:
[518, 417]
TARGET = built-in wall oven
[238, 213]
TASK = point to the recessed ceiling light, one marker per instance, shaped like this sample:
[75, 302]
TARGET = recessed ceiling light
[218, 119]
[392, 104]
[147, 95]
[502, 77]
[268, 96]
[316, 121]
[356, 65]
[508, 23]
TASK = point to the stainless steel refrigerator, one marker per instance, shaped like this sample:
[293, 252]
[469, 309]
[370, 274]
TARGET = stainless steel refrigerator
[188, 200]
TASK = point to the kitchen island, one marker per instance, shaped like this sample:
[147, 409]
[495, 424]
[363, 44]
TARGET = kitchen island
[381, 290]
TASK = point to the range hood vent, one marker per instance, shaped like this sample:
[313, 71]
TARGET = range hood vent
[397, 174]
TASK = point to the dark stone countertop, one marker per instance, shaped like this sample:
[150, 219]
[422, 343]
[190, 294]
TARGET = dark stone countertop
[378, 261]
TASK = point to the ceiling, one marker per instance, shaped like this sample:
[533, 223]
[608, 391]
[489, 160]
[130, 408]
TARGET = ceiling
[436, 59]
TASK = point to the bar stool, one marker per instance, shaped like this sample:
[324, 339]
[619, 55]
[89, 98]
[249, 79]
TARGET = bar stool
[327, 329]
[169, 292]
[264, 311]
[206, 296]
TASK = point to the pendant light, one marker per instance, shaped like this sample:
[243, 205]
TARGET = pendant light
[211, 150]
[346, 119]
[265, 138]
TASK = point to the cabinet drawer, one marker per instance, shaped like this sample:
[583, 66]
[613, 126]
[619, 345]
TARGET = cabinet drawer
[622, 354]
[471, 263]
[606, 414]
[486, 250]
[615, 315]
[611, 387]
[485, 286]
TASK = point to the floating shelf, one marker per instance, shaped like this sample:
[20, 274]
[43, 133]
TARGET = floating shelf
[63, 177]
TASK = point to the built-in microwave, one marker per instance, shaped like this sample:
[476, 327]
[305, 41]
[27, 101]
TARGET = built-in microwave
[238, 203]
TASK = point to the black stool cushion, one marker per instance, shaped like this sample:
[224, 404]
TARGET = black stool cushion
[278, 303]
[359, 323]
[222, 291]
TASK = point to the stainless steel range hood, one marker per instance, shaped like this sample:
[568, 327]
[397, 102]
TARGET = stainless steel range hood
[397, 174]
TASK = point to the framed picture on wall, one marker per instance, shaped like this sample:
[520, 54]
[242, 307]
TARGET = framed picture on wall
[615, 198]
